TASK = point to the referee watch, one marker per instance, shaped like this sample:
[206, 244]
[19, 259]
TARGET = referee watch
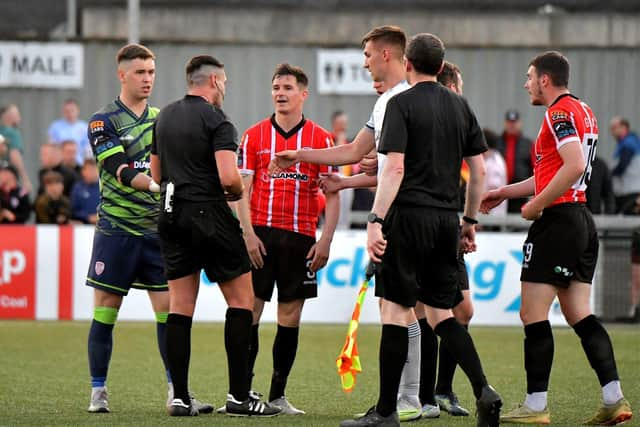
[373, 218]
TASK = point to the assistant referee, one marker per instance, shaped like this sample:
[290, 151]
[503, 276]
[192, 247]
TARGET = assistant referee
[194, 160]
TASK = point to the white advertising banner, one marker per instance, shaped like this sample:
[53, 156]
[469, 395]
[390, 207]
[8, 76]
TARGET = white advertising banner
[41, 65]
[340, 71]
[48, 265]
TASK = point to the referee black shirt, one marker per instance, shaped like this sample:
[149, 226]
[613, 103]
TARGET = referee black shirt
[186, 135]
[435, 128]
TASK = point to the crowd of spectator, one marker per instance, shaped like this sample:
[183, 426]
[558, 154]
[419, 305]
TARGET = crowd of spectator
[68, 189]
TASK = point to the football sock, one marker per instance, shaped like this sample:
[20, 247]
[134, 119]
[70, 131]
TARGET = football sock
[394, 344]
[100, 343]
[460, 345]
[597, 346]
[285, 347]
[161, 332]
[410, 379]
[179, 353]
[254, 346]
[611, 393]
[428, 362]
[237, 332]
[446, 370]
[536, 401]
[538, 355]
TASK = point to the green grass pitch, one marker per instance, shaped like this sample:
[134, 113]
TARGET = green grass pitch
[44, 378]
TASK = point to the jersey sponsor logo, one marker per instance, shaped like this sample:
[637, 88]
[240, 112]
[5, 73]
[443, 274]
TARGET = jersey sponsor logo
[99, 267]
[564, 129]
[291, 175]
[96, 126]
[102, 144]
[558, 115]
[140, 164]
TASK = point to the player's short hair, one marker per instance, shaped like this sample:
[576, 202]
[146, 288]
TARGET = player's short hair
[390, 34]
[425, 51]
[291, 70]
[449, 74]
[201, 67]
[133, 51]
[555, 65]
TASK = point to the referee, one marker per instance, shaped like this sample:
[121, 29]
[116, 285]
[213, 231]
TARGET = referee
[414, 229]
[193, 158]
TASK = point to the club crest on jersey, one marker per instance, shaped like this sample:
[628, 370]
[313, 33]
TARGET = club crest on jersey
[99, 267]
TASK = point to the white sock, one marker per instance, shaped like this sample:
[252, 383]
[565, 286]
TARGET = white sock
[410, 380]
[536, 401]
[611, 392]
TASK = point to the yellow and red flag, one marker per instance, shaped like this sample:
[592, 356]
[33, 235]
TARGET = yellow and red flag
[348, 362]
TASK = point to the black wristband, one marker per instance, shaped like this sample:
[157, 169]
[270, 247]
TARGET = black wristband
[469, 220]
[126, 175]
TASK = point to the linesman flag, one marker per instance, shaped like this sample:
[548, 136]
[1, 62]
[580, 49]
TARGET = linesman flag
[348, 362]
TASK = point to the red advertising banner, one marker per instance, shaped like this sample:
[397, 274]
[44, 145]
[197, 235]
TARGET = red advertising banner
[17, 272]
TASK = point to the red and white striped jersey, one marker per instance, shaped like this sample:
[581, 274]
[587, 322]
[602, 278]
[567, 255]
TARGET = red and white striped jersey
[568, 119]
[289, 199]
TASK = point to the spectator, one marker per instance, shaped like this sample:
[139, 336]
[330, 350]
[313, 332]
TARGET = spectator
[15, 207]
[9, 121]
[496, 170]
[69, 151]
[70, 128]
[52, 206]
[626, 173]
[51, 160]
[4, 152]
[339, 124]
[516, 149]
[85, 195]
[600, 198]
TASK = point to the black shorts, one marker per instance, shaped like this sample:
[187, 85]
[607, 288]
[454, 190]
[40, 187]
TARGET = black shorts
[635, 246]
[561, 246]
[463, 275]
[420, 262]
[286, 264]
[202, 235]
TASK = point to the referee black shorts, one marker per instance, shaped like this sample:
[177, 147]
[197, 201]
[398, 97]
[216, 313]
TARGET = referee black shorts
[202, 235]
[420, 262]
[561, 246]
[286, 265]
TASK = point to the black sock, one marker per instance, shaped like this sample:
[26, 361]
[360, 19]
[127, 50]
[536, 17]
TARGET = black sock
[161, 334]
[237, 331]
[179, 353]
[284, 351]
[446, 369]
[254, 345]
[597, 346]
[100, 344]
[460, 345]
[394, 347]
[428, 362]
[538, 355]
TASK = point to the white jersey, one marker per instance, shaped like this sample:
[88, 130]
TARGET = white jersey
[374, 123]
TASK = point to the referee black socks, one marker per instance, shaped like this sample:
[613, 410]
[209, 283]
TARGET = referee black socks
[237, 332]
[179, 353]
[394, 346]
[538, 355]
[460, 345]
[285, 347]
[428, 362]
[597, 346]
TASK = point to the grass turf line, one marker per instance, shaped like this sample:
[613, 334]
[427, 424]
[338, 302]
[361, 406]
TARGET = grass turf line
[44, 378]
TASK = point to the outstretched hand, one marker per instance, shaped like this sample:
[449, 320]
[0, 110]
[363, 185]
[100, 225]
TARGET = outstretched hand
[283, 160]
